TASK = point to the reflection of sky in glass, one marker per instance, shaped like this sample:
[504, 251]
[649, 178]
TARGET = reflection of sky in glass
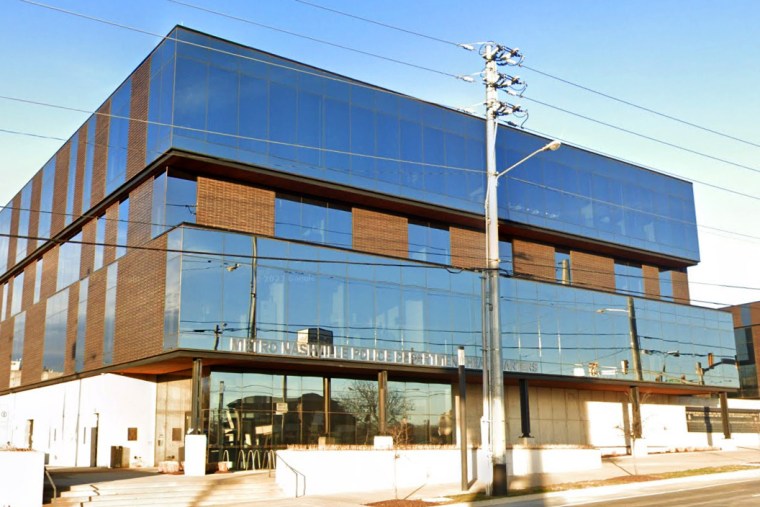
[548, 328]
[56, 314]
[300, 123]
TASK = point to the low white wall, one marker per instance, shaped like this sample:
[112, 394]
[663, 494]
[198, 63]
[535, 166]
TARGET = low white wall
[527, 461]
[65, 414]
[21, 478]
[336, 471]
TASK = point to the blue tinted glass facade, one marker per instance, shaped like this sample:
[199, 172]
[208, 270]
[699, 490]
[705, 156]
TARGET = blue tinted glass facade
[160, 100]
[46, 201]
[5, 230]
[629, 278]
[313, 220]
[429, 243]
[69, 259]
[89, 160]
[84, 287]
[17, 351]
[22, 240]
[100, 237]
[17, 294]
[174, 202]
[72, 180]
[122, 228]
[118, 137]
[589, 195]
[381, 303]
[56, 317]
[260, 109]
[109, 319]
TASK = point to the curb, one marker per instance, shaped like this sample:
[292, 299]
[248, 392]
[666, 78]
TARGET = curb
[600, 491]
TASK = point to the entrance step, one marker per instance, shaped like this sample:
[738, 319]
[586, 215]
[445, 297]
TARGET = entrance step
[173, 491]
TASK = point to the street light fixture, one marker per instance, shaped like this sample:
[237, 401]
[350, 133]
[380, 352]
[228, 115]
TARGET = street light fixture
[498, 441]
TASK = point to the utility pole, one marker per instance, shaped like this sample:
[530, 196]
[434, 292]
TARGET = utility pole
[634, 336]
[494, 55]
[496, 388]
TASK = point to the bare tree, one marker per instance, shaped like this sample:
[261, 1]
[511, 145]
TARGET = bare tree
[362, 401]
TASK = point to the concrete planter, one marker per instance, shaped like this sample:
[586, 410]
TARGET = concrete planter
[21, 477]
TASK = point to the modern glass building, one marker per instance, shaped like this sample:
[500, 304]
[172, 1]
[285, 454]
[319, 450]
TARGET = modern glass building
[747, 333]
[285, 254]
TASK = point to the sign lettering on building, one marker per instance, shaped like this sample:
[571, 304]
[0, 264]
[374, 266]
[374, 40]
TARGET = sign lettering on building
[367, 354]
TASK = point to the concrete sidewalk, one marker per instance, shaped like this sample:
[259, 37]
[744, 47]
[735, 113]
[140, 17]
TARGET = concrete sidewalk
[621, 466]
[614, 467]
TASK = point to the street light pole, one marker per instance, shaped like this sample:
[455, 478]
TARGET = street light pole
[495, 377]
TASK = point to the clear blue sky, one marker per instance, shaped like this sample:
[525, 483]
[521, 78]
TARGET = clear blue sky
[696, 60]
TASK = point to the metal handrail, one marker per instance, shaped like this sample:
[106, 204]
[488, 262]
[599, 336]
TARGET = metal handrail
[49, 478]
[295, 472]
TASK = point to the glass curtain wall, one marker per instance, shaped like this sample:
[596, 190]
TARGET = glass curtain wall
[376, 303]
[250, 413]
[272, 112]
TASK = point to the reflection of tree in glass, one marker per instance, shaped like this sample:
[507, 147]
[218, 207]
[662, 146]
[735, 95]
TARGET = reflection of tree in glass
[361, 400]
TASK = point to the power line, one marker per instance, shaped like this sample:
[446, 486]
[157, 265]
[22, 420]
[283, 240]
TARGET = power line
[412, 264]
[693, 180]
[384, 25]
[369, 86]
[313, 39]
[543, 73]
[398, 159]
[637, 106]
[643, 136]
[568, 304]
[351, 153]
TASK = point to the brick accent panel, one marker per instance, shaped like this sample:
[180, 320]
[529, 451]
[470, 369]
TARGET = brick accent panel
[69, 360]
[138, 111]
[380, 233]
[112, 224]
[6, 349]
[81, 154]
[34, 345]
[736, 315]
[651, 276]
[681, 287]
[533, 260]
[592, 271]
[100, 158]
[88, 249]
[468, 248]
[235, 206]
[96, 307]
[140, 303]
[140, 208]
[49, 273]
[34, 216]
[754, 314]
[59, 189]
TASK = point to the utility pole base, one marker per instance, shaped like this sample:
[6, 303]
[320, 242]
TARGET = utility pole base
[499, 486]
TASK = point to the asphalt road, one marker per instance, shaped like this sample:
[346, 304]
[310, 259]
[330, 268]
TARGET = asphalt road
[735, 494]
